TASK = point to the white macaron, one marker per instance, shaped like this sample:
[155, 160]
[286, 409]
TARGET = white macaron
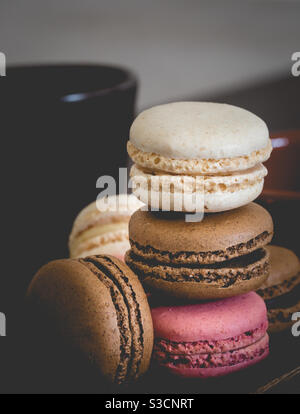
[198, 156]
[102, 227]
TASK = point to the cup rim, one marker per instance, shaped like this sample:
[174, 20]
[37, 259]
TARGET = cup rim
[130, 79]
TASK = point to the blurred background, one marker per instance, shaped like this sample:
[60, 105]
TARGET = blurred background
[178, 48]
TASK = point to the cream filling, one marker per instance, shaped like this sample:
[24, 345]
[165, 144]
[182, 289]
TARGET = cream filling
[112, 209]
[157, 181]
[116, 248]
[100, 234]
[156, 162]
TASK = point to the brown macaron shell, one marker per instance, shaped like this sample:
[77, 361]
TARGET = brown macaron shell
[221, 256]
[284, 272]
[236, 277]
[100, 307]
[281, 319]
[168, 238]
[283, 281]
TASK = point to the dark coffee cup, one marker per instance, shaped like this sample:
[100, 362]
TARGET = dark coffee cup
[65, 125]
[62, 127]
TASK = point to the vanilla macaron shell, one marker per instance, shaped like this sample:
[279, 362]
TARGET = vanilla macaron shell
[102, 227]
[216, 193]
[223, 144]
[199, 130]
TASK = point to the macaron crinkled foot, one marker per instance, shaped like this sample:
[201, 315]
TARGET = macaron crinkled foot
[183, 149]
[99, 308]
[102, 227]
[213, 338]
[281, 291]
[222, 256]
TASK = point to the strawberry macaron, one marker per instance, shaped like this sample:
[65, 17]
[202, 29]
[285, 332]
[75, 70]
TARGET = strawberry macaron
[213, 338]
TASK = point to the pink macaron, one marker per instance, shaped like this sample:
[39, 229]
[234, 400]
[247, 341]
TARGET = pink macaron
[213, 338]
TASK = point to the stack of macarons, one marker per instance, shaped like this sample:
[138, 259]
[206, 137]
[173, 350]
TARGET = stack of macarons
[204, 319]
[199, 157]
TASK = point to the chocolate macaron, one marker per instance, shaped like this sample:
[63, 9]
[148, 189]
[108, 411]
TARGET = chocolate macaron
[99, 306]
[281, 291]
[221, 256]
